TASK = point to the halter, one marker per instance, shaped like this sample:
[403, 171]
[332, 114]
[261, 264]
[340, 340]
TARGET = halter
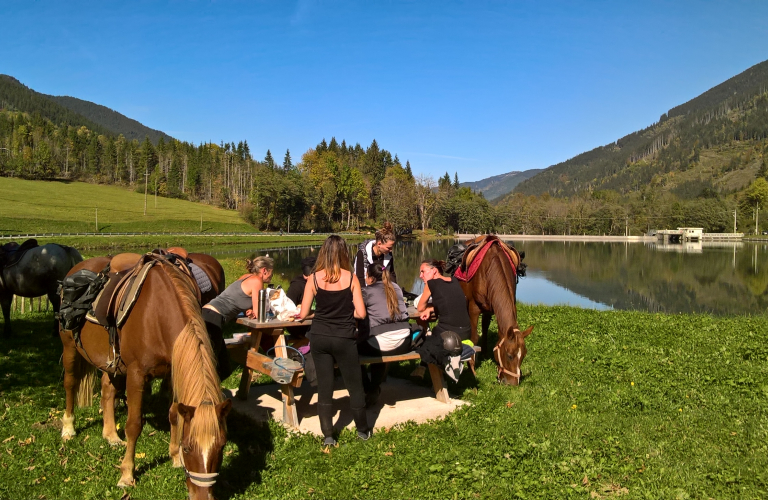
[201, 479]
[497, 355]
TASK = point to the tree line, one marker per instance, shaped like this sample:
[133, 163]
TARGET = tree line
[336, 186]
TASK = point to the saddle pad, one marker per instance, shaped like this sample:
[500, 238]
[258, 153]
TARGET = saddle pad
[203, 281]
[478, 259]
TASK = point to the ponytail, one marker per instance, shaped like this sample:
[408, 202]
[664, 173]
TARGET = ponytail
[380, 273]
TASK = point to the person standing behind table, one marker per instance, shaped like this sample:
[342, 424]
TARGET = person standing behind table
[448, 303]
[332, 335]
[242, 296]
[295, 290]
[377, 251]
[389, 330]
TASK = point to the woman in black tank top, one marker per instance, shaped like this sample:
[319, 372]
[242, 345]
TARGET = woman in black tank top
[448, 300]
[332, 334]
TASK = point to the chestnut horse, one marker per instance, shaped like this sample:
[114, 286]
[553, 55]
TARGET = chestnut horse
[164, 335]
[215, 273]
[492, 291]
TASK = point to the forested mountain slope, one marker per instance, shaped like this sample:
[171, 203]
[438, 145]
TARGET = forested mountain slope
[111, 120]
[16, 96]
[499, 185]
[713, 143]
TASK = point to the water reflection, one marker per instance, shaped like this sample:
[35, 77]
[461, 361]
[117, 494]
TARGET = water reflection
[720, 278]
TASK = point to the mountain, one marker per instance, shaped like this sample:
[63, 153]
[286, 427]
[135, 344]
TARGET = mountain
[16, 95]
[63, 110]
[110, 119]
[499, 185]
[714, 143]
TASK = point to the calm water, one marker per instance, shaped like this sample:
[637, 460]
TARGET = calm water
[717, 278]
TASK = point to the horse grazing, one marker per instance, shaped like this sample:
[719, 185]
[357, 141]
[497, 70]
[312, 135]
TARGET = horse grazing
[164, 335]
[490, 286]
[29, 270]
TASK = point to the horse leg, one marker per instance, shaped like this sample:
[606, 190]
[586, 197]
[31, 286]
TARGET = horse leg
[55, 301]
[70, 358]
[173, 447]
[474, 313]
[136, 385]
[108, 392]
[5, 302]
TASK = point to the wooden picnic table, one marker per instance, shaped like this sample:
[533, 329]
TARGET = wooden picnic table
[244, 350]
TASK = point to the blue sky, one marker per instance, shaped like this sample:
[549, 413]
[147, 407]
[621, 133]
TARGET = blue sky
[479, 88]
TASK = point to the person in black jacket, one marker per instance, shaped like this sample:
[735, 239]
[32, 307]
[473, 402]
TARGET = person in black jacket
[376, 251]
[295, 290]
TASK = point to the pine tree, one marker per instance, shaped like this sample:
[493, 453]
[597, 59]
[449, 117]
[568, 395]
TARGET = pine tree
[322, 147]
[287, 164]
[270, 162]
[455, 180]
[408, 169]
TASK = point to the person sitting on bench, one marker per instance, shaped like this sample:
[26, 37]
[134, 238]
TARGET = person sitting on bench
[388, 329]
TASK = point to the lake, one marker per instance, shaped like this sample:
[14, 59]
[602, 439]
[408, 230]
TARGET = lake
[717, 278]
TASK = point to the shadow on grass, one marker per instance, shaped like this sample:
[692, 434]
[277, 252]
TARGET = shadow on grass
[30, 356]
[254, 444]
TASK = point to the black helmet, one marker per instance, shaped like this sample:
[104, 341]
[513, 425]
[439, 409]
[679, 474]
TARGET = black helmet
[451, 342]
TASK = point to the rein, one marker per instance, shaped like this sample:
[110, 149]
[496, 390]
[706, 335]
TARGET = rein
[497, 355]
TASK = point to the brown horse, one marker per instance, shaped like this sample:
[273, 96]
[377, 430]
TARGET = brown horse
[492, 291]
[164, 336]
[215, 272]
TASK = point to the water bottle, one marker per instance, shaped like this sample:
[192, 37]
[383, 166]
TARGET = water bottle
[263, 305]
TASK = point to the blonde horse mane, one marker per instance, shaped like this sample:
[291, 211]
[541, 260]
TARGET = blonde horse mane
[193, 365]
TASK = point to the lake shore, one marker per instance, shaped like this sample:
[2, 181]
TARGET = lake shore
[562, 237]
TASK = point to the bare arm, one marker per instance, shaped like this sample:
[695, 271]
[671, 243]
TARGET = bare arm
[357, 300]
[309, 296]
[251, 287]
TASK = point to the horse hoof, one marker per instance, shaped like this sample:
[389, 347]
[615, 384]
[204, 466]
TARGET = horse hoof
[126, 482]
[115, 441]
[66, 437]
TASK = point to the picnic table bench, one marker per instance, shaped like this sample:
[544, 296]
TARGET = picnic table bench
[243, 349]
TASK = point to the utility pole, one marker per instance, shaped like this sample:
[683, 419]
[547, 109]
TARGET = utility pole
[734, 220]
[757, 214]
[97, 220]
[146, 182]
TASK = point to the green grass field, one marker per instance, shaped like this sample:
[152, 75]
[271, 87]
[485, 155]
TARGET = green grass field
[71, 207]
[612, 404]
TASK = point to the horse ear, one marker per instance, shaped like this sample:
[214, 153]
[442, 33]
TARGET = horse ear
[187, 412]
[222, 409]
[527, 331]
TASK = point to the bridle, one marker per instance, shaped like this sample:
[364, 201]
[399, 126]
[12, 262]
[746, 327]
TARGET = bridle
[497, 355]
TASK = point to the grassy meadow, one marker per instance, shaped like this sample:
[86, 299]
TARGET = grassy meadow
[612, 404]
[71, 207]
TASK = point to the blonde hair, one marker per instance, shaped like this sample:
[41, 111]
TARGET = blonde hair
[332, 258]
[256, 264]
[380, 273]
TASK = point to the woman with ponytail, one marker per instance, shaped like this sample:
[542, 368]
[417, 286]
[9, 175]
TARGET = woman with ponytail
[389, 330]
[376, 251]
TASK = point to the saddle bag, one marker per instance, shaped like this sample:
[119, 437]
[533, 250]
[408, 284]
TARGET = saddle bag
[77, 292]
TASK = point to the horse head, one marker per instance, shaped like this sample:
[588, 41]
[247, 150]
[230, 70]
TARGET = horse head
[509, 353]
[203, 436]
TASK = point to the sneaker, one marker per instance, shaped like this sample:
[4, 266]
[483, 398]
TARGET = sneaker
[330, 441]
[365, 436]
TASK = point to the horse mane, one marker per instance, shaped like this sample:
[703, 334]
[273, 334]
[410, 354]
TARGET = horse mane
[502, 292]
[193, 366]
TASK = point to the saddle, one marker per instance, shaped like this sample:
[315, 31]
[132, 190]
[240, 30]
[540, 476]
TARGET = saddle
[11, 253]
[180, 258]
[124, 276]
[476, 249]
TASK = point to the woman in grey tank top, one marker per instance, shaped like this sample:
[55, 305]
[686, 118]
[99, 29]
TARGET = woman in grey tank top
[240, 296]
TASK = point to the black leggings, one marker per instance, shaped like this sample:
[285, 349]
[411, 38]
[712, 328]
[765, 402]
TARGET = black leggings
[378, 369]
[326, 350]
[213, 322]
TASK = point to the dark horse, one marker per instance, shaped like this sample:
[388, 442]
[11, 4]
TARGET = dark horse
[163, 336]
[33, 272]
[492, 291]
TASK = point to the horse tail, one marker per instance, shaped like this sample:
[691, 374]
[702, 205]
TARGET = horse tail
[87, 376]
[73, 254]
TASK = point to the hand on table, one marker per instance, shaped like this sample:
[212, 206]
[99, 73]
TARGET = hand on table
[250, 313]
